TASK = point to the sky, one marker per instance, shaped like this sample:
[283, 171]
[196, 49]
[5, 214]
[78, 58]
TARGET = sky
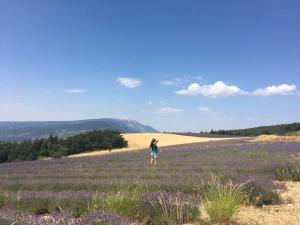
[175, 65]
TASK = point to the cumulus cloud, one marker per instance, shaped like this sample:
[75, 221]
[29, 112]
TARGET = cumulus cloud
[169, 110]
[218, 89]
[129, 82]
[283, 89]
[204, 109]
[75, 91]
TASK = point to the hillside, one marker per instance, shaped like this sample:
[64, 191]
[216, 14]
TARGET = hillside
[16, 131]
[281, 129]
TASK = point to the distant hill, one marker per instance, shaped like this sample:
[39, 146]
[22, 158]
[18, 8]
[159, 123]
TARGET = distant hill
[280, 129]
[16, 131]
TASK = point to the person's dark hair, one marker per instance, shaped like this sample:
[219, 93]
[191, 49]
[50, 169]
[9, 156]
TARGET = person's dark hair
[152, 142]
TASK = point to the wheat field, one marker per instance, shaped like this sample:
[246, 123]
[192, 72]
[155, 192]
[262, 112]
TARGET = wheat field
[276, 138]
[138, 141]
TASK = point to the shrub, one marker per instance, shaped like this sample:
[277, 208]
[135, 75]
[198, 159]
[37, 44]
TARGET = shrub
[122, 203]
[37, 206]
[175, 214]
[163, 212]
[2, 201]
[259, 194]
[78, 206]
[221, 202]
[5, 222]
[40, 206]
[288, 173]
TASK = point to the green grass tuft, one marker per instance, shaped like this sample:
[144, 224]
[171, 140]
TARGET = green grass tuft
[288, 173]
[222, 202]
[3, 200]
[162, 212]
[175, 214]
[122, 203]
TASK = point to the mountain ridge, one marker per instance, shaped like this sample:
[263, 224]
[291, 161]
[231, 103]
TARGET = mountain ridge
[23, 130]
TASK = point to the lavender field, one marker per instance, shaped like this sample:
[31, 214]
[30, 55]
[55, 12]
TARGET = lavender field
[122, 188]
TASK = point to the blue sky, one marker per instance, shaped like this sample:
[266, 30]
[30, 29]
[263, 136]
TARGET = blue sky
[176, 65]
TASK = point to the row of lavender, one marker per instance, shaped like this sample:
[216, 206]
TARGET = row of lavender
[195, 159]
[59, 218]
[180, 169]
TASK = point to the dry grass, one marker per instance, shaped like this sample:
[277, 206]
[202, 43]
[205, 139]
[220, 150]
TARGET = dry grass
[276, 138]
[138, 141]
[285, 214]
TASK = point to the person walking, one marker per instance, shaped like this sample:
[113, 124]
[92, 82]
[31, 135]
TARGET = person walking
[154, 151]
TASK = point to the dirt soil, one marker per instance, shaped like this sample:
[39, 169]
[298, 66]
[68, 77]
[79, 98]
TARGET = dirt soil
[286, 214]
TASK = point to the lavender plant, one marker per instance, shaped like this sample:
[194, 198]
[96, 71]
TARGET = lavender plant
[72, 186]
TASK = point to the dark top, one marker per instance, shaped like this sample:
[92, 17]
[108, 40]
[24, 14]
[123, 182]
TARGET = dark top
[154, 148]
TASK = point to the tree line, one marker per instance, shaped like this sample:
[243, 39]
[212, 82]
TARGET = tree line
[56, 147]
[281, 129]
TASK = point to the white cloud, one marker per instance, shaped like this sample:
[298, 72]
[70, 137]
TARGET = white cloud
[168, 110]
[168, 82]
[204, 109]
[129, 82]
[283, 89]
[184, 79]
[75, 91]
[171, 82]
[218, 89]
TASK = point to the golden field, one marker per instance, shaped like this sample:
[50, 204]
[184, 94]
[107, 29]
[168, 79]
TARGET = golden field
[276, 138]
[139, 141]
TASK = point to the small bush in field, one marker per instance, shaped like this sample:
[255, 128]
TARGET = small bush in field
[288, 173]
[222, 202]
[2, 201]
[37, 206]
[78, 206]
[122, 203]
[259, 195]
[5, 222]
[163, 212]
[175, 214]
[40, 206]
